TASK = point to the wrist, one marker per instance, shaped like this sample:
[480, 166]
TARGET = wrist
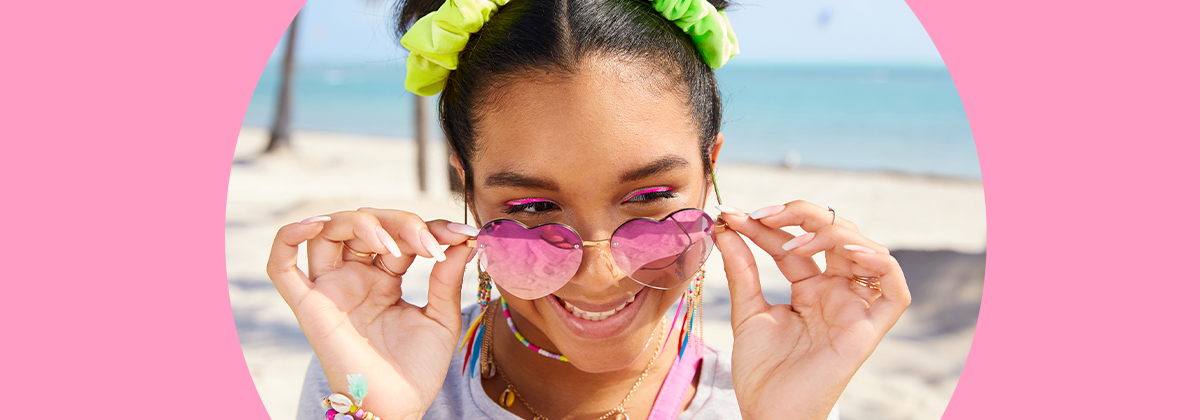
[798, 413]
[801, 403]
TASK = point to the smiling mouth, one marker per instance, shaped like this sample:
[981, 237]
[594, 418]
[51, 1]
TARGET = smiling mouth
[594, 316]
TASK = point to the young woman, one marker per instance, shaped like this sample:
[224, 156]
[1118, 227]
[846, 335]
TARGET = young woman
[586, 133]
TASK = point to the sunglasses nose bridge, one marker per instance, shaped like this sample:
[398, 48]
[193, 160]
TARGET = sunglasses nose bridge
[597, 269]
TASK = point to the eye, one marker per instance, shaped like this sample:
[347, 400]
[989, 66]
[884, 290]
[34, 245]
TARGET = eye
[529, 205]
[651, 194]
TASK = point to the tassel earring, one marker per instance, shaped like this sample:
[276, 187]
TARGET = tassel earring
[695, 309]
[473, 339]
[694, 300]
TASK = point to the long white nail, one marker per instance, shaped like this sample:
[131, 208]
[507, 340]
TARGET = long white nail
[462, 229]
[727, 209]
[431, 245]
[858, 248]
[315, 219]
[766, 211]
[388, 242]
[798, 241]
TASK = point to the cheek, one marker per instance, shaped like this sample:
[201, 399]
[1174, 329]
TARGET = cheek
[669, 299]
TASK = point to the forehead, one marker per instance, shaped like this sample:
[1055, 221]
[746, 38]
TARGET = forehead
[603, 118]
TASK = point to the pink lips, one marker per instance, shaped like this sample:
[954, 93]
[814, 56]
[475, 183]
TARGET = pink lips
[598, 330]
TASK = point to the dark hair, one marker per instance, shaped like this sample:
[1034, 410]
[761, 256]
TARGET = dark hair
[556, 37]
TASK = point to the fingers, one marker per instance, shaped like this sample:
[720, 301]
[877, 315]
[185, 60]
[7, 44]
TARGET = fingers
[772, 239]
[886, 310]
[359, 231]
[392, 266]
[808, 216]
[421, 237]
[395, 235]
[839, 243]
[281, 265]
[450, 233]
[445, 287]
[745, 291]
[847, 253]
[410, 229]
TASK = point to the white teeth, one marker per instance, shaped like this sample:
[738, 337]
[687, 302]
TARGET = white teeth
[595, 316]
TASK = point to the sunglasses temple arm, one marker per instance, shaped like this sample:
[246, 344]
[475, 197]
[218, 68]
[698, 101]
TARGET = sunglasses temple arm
[720, 226]
[715, 189]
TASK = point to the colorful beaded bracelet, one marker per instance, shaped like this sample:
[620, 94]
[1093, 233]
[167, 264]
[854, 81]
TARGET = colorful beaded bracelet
[341, 407]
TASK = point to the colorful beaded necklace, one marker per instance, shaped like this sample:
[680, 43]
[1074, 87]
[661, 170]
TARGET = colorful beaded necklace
[513, 327]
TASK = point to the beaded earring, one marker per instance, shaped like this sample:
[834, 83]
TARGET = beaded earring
[484, 295]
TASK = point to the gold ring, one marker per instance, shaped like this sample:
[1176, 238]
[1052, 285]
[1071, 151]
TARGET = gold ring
[870, 285]
[359, 254]
[378, 262]
[868, 282]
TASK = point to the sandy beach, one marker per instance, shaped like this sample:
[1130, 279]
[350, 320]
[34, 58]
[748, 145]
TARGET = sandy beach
[934, 226]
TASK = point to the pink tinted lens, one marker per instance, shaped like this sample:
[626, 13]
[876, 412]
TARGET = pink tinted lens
[664, 254]
[529, 262]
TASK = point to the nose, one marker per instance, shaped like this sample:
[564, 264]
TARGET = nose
[597, 270]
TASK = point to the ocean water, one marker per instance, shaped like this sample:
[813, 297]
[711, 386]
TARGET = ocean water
[868, 118]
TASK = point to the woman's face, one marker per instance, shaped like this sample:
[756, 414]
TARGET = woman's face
[591, 151]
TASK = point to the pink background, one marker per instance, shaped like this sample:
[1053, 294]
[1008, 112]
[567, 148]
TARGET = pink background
[119, 121]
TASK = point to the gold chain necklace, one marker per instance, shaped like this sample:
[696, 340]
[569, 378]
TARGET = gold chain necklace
[489, 368]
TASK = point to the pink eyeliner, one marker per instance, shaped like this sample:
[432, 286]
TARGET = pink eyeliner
[647, 191]
[526, 201]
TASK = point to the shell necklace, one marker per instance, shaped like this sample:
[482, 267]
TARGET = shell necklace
[488, 369]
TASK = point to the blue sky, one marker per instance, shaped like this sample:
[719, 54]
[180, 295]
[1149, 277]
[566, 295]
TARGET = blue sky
[769, 31]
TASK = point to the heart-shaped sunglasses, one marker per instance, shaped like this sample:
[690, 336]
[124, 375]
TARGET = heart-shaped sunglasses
[532, 262]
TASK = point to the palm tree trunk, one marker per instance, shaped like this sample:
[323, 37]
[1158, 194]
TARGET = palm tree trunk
[281, 129]
[422, 140]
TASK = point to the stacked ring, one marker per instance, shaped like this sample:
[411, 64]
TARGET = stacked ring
[378, 262]
[359, 254]
[868, 282]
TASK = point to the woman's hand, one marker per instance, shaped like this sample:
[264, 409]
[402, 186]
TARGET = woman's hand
[793, 361]
[351, 310]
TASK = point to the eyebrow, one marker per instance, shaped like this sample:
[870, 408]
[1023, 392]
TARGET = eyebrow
[663, 164]
[516, 180]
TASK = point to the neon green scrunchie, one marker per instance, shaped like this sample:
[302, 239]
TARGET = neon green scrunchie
[435, 40]
[708, 27]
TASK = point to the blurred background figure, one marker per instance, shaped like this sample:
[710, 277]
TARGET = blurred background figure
[842, 103]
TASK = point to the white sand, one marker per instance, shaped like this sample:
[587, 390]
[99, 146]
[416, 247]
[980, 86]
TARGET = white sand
[911, 376]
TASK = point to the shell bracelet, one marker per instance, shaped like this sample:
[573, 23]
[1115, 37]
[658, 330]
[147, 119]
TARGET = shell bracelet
[340, 407]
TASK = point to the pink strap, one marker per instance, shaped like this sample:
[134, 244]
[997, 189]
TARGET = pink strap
[674, 389]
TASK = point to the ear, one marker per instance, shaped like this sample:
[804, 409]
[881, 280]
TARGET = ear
[716, 148]
[457, 164]
[713, 152]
